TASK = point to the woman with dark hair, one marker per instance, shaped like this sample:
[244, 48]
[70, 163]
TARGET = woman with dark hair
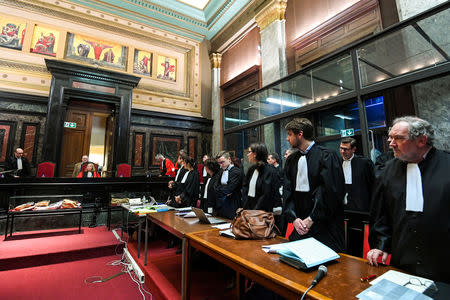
[186, 193]
[208, 197]
[260, 189]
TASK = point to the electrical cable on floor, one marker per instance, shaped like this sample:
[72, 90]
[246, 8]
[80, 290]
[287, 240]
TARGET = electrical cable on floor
[140, 286]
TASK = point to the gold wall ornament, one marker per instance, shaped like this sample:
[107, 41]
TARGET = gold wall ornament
[215, 58]
[275, 10]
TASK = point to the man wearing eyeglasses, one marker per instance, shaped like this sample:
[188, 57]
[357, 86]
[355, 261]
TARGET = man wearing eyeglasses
[359, 177]
[411, 207]
[228, 187]
[19, 164]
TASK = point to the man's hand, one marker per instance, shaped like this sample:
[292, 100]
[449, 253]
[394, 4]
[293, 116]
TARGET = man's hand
[373, 254]
[170, 184]
[178, 199]
[302, 226]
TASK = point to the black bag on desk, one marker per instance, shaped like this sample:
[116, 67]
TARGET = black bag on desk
[254, 225]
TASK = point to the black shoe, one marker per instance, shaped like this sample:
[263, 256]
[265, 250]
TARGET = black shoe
[179, 251]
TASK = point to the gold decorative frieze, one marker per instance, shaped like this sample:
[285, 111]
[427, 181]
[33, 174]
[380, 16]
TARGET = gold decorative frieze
[273, 11]
[215, 58]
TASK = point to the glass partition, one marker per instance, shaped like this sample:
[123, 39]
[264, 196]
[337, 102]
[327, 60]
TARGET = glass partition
[417, 46]
[332, 78]
[327, 91]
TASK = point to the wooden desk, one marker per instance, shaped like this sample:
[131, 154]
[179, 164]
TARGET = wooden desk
[180, 227]
[247, 259]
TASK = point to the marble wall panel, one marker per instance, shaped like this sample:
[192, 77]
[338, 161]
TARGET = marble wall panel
[432, 100]
[29, 139]
[203, 145]
[20, 120]
[192, 147]
[139, 148]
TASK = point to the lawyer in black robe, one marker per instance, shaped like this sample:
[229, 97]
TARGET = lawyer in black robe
[228, 194]
[267, 189]
[323, 203]
[11, 164]
[418, 241]
[363, 180]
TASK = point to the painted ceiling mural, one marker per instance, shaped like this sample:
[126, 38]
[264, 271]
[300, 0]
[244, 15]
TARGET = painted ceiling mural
[195, 19]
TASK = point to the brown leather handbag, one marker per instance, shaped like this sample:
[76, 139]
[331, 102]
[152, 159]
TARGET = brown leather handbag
[254, 225]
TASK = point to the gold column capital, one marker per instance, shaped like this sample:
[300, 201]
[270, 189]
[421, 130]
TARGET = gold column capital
[215, 59]
[273, 11]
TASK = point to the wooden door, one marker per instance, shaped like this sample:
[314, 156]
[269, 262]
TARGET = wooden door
[76, 141]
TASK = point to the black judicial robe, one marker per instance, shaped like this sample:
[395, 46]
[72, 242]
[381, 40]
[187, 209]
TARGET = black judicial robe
[211, 199]
[11, 164]
[176, 184]
[323, 203]
[418, 241]
[188, 191]
[228, 195]
[363, 179]
[267, 190]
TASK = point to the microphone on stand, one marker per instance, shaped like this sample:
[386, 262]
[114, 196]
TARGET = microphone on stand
[320, 274]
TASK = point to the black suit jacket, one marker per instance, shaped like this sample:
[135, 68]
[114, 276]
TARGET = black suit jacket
[267, 188]
[363, 180]
[11, 164]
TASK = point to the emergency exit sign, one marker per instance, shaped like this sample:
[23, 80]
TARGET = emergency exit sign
[70, 125]
[347, 132]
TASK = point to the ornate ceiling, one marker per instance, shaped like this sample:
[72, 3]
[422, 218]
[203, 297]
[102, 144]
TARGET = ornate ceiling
[196, 19]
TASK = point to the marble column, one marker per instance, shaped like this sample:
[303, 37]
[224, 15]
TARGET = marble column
[410, 8]
[215, 103]
[271, 22]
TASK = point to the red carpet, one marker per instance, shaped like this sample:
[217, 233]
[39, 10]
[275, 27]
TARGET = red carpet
[35, 248]
[163, 274]
[54, 264]
[66, 281]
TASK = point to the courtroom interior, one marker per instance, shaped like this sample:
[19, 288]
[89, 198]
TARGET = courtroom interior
[322, 121]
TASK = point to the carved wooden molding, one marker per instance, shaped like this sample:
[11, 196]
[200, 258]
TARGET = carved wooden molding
[242, 84]
[357, 21]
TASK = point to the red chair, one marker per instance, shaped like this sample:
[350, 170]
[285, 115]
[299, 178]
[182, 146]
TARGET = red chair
[289, 229]
[46, 169]
[124, 170]
[366, 246]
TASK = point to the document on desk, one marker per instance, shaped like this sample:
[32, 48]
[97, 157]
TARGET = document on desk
[227, 233]
[387, 290]
[222, 226]
[307, 252]
[405, 280]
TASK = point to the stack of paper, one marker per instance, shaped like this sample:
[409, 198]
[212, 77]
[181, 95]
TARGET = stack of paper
[303, 254]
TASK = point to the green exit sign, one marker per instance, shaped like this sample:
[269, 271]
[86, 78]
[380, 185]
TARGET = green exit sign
[347, 132]
[70, 125]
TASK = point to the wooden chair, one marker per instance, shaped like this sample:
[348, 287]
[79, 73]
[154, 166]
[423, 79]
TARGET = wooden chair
[46, 169]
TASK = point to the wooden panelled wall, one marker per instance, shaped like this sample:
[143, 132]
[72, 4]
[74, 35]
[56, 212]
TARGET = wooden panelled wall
[355, 22]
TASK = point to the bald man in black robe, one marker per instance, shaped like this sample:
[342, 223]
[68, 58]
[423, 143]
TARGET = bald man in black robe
[315, 206]
[411, 215]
